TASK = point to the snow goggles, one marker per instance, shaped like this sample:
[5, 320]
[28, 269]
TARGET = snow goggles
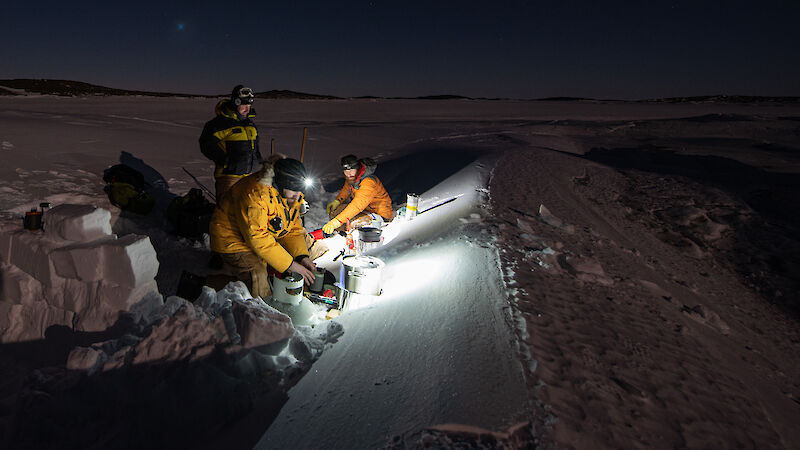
[244, 96]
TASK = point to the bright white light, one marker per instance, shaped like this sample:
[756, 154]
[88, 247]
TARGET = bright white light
[308, 182]
[402, 277]
[417, 272]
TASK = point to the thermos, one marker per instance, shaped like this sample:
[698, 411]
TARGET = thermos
[412, 202]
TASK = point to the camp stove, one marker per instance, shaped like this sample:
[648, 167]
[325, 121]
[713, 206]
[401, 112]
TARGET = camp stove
[287, 288]
[368, 238]
[33, 219]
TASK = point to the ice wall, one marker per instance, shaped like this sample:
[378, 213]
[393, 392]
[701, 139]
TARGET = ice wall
[75, 273]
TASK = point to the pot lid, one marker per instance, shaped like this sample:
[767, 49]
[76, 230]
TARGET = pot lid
[362, 262]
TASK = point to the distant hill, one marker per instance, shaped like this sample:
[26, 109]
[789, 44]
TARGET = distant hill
[443, 97]
[291, 94]
[726, 99]
[22, 86]
[68, 88]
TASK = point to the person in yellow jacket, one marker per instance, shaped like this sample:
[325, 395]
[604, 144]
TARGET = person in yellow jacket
[362, 199]
[256, 226]
[230, 139]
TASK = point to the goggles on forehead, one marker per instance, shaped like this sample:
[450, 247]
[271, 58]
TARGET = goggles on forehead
[244, 96]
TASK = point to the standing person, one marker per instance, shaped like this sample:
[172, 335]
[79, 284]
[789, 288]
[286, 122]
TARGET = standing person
[231, 139]
[256, 227]
[362, 200]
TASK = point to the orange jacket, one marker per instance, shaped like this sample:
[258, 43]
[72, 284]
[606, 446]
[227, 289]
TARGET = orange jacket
[246, 220]
[366, 193]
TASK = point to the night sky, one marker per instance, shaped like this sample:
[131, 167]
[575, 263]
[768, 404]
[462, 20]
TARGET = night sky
[515, 49]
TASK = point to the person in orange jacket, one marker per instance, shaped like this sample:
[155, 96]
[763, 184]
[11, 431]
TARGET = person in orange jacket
[256, 226]
[362, 199]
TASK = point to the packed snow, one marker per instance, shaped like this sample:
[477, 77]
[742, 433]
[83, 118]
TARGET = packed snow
[582, 274]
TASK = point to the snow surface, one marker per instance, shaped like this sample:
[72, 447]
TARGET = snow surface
[435, 348]
[611, 275]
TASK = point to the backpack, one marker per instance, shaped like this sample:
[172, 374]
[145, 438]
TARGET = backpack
[124, 174]
[126, 189]
[369, 166]
[190, 215]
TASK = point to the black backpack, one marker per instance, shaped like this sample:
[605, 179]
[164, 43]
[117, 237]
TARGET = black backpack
[190, 215]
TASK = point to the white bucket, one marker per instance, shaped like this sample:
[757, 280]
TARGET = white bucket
[287, 290]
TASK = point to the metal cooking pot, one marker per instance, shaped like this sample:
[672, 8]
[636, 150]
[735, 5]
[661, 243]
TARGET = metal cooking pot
[362, 274]
[368, 238]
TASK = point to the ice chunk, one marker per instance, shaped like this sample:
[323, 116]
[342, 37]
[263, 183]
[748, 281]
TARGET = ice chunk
[549, 218]
[149, 308]
[129, 261]
[17, 286]
[29, 322]
[189, 334]
[86, 358]
[31, 253]
[254, 363]
[260, 325]
[82, 261]
[5, 243]
[77, 223]
[110, 301]
[308, 343]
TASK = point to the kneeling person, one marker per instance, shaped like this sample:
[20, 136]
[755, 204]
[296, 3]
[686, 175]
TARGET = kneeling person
[362, 198]
[257, 225]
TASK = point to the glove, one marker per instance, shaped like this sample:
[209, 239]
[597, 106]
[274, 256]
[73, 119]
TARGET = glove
[331, 226]
[332, 206]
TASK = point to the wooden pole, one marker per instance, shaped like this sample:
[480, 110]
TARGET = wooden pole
[272, 147]
[303, 146]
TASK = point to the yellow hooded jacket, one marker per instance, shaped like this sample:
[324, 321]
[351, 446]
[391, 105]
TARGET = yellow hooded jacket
[231, 142]
[252, 216]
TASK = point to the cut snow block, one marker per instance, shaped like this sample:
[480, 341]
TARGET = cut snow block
[104, 302]
[31, 253]
[82, 261]
[77, 223]
[72, 294]
[5, 241]
[129, 261]
[259, 325]
[17, 287]
[29, 322]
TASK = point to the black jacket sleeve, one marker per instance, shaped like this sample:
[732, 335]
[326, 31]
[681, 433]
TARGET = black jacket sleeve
[209, 145]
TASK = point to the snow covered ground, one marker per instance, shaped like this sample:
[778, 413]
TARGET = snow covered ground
[647, 304]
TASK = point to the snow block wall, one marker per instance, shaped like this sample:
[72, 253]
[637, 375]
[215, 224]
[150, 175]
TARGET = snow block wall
[74, 273]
